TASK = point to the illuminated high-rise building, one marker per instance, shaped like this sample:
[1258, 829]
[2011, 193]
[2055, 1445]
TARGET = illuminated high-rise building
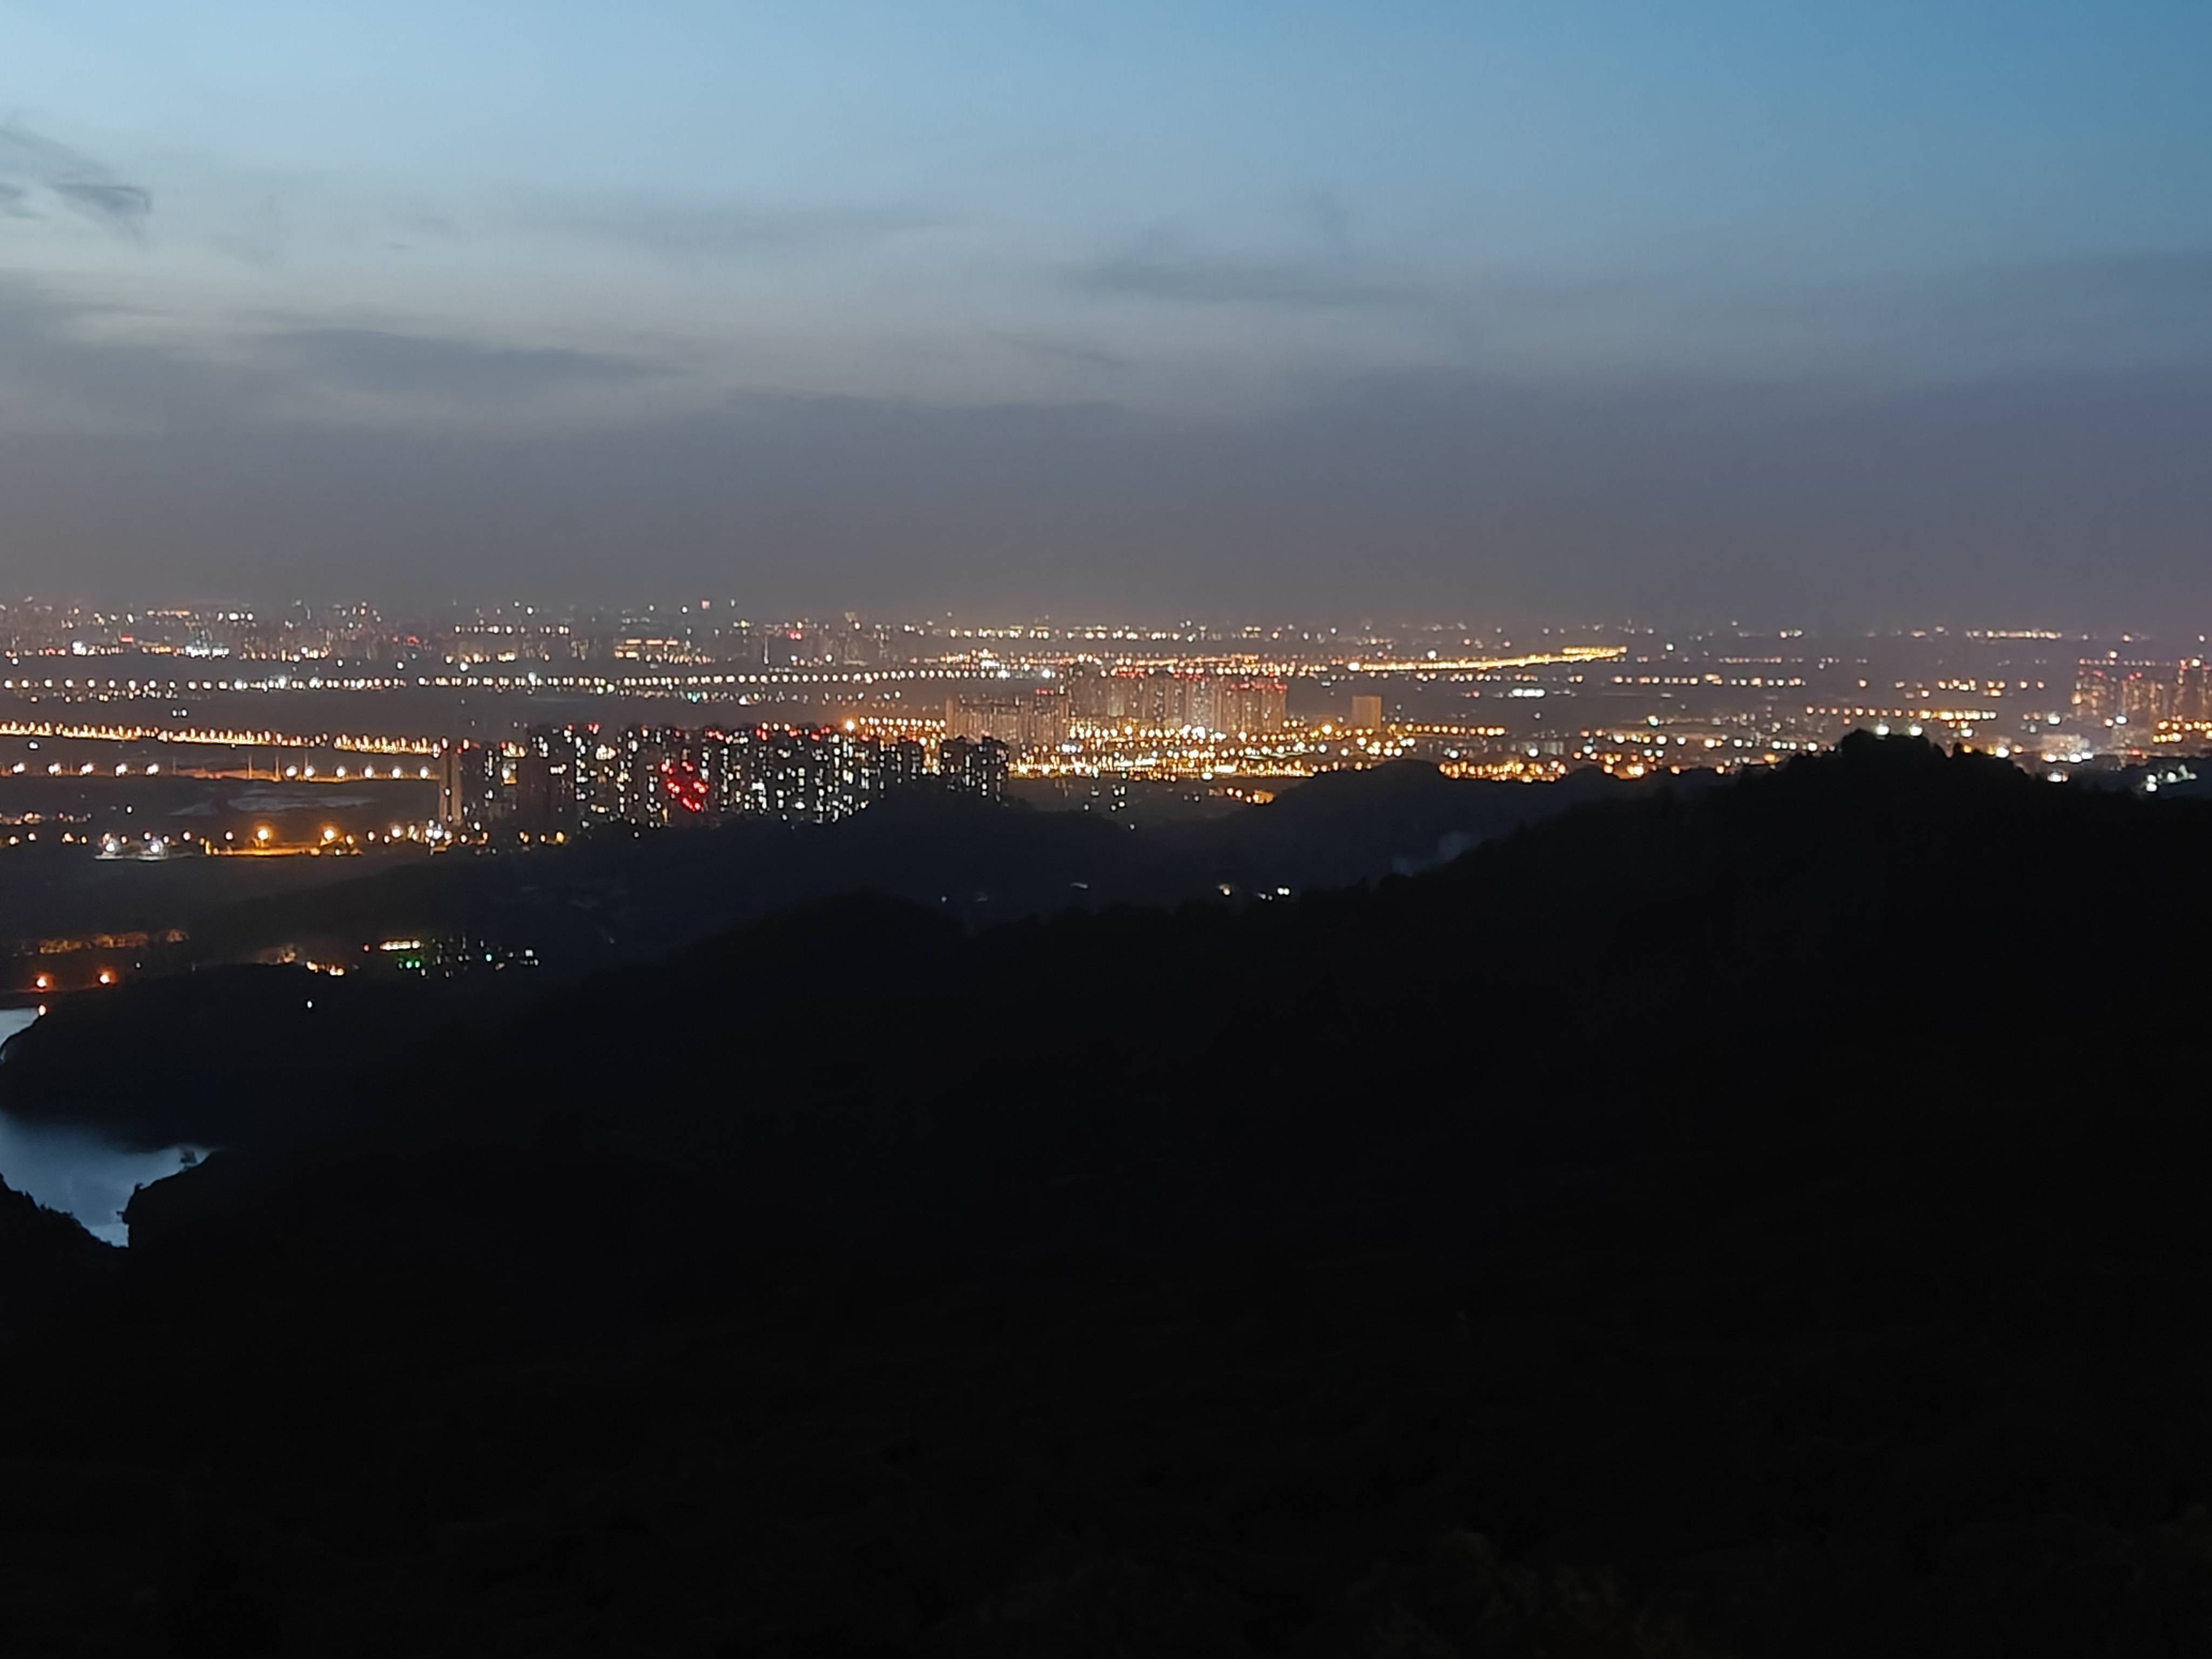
[569, 777]
[1027, 723]
[2192, 692]
[1245, 707]
[471, 793]
[2146, 696]
[973, 767]
[900, 764]
[2097, 693]
[553, 780]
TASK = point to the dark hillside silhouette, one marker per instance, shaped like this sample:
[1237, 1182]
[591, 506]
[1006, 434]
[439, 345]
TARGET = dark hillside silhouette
[224, 1055]
[1760, 1219]
[238, 1052]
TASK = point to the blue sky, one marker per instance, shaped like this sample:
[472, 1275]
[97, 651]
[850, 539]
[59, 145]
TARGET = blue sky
[1568, 307]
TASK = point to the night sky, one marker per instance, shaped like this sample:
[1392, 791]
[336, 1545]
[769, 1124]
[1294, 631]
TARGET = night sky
[1890, 312]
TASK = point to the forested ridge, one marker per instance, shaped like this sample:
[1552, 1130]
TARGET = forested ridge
[1759, 1220]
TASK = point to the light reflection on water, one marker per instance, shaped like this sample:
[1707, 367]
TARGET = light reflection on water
[72, 1169]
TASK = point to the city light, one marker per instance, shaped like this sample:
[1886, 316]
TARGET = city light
[1077, 707]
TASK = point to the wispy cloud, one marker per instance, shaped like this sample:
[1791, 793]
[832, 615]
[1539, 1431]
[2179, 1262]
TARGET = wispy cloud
[71, 364]
[38, 175]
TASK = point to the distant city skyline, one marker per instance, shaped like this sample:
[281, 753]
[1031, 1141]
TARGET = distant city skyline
[1589, 309]
[60, 609]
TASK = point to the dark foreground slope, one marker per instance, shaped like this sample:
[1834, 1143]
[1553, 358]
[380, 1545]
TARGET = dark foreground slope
[1745, 1226]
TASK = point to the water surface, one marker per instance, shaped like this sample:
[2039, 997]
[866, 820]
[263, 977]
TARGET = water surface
[75, 1170]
